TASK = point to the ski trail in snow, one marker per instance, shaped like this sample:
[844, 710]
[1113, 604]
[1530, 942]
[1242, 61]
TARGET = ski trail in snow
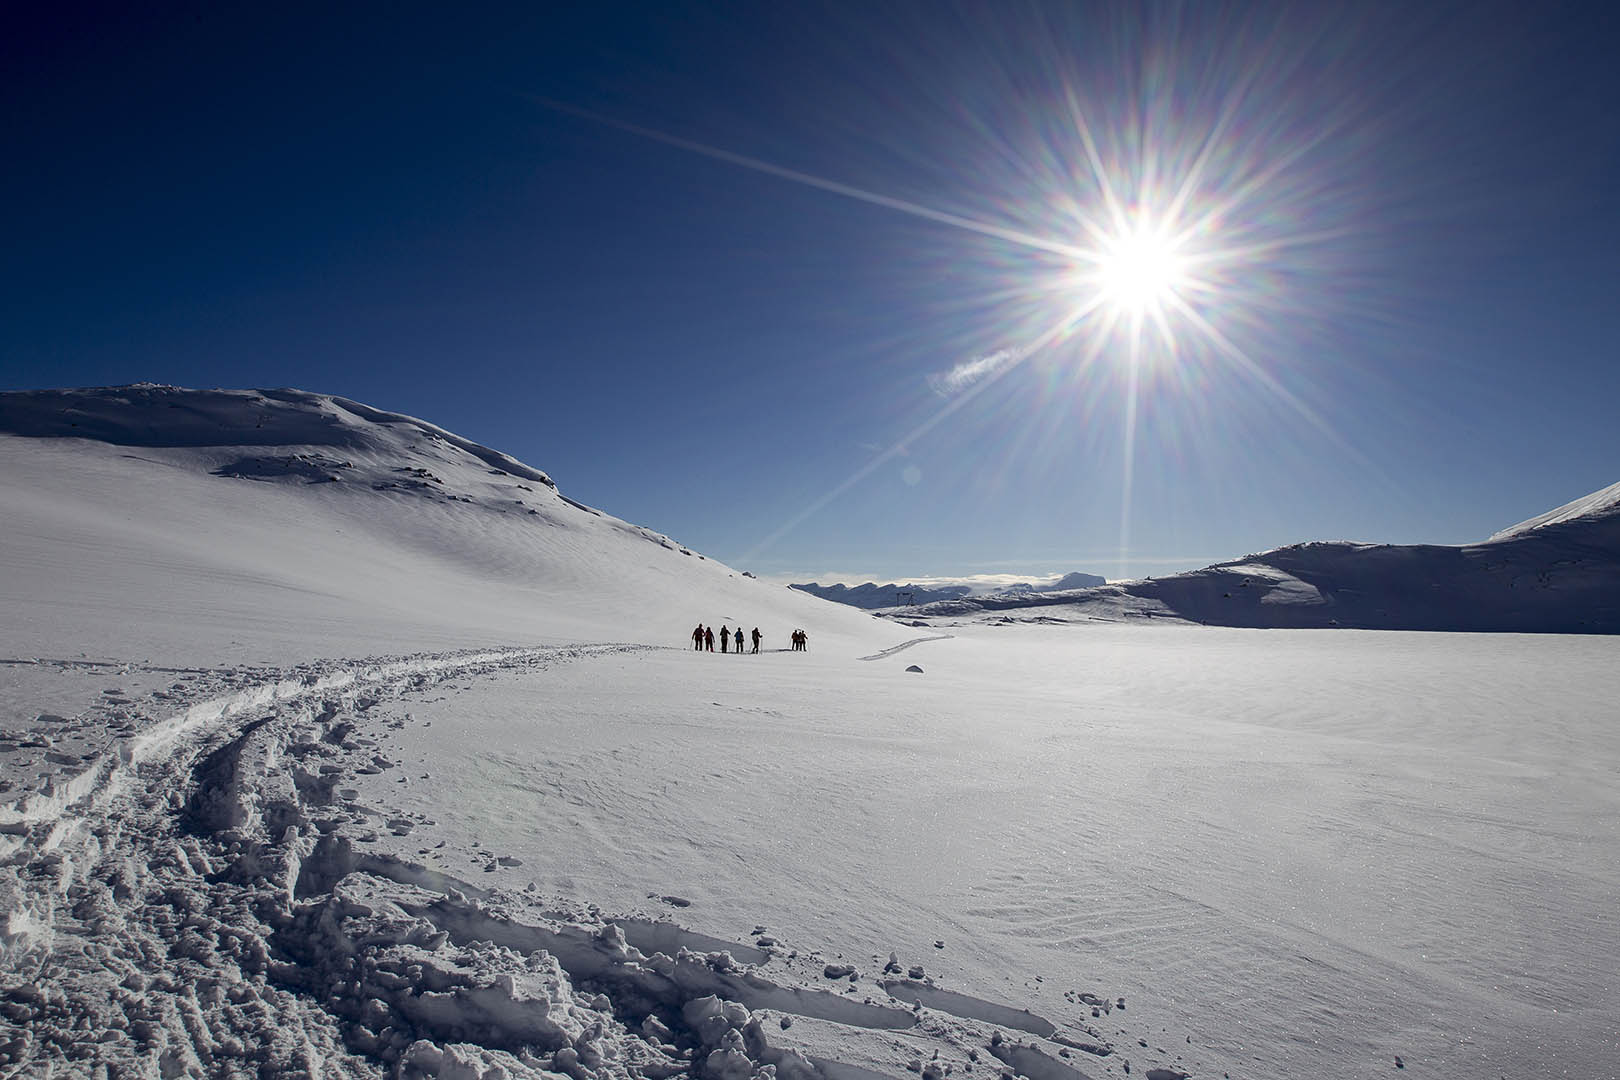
[202, 901]
[95, 784]
[905, 645]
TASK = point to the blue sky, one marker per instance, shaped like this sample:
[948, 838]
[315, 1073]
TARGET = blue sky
[713, 266]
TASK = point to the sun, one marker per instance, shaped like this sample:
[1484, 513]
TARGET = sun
[1141, 269]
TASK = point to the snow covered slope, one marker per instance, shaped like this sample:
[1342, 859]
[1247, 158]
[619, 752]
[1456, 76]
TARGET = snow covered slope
[1557, 573]
[1591, 509]
[296, 525]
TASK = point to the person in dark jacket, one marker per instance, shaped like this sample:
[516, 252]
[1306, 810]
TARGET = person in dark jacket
[757, 636]
[737, 637]
[697, 638]
[708, 637]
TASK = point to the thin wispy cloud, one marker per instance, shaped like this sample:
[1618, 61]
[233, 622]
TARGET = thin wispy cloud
[969, 372]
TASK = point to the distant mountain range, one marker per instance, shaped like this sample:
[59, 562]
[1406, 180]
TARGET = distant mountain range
[1555, 573]
[872, 596]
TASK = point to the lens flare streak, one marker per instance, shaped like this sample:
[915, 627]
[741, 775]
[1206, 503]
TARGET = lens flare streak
[1132, 258]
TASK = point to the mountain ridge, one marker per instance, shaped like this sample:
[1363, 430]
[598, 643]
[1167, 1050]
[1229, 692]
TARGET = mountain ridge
[1556, 573]
[872, 596]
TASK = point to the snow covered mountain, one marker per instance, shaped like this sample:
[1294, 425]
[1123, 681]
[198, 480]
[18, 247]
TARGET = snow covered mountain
[871, 596]
[1557, 573]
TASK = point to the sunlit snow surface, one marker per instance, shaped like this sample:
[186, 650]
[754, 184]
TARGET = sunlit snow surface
[307, 778]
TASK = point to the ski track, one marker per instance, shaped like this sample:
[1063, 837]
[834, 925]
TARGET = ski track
[891, 650]
[199, 901]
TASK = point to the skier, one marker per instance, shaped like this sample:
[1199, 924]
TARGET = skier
[708, 637]
[697, 638]
[725, 637]
[757, 636]
[738, 640]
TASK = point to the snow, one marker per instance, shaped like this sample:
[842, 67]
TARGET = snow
[364, 777]
[1556, 574]
[1598, 503]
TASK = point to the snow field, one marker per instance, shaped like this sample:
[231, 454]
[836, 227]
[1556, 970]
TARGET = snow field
[244, 921]
[231, 847]
[1308, 852]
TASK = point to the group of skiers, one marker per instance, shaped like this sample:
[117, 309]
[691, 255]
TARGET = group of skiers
[703, 639]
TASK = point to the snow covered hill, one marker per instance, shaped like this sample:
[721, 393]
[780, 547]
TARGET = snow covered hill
[1557, 573]
[299, 525]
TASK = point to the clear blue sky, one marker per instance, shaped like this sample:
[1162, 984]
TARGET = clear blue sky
[712, 266]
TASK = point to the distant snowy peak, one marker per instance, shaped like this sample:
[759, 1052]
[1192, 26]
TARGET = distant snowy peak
[1599, 504]
[147, 414]
[872, 596]
[1074, 580]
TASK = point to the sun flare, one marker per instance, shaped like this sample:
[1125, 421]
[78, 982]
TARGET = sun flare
[1140, 269]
